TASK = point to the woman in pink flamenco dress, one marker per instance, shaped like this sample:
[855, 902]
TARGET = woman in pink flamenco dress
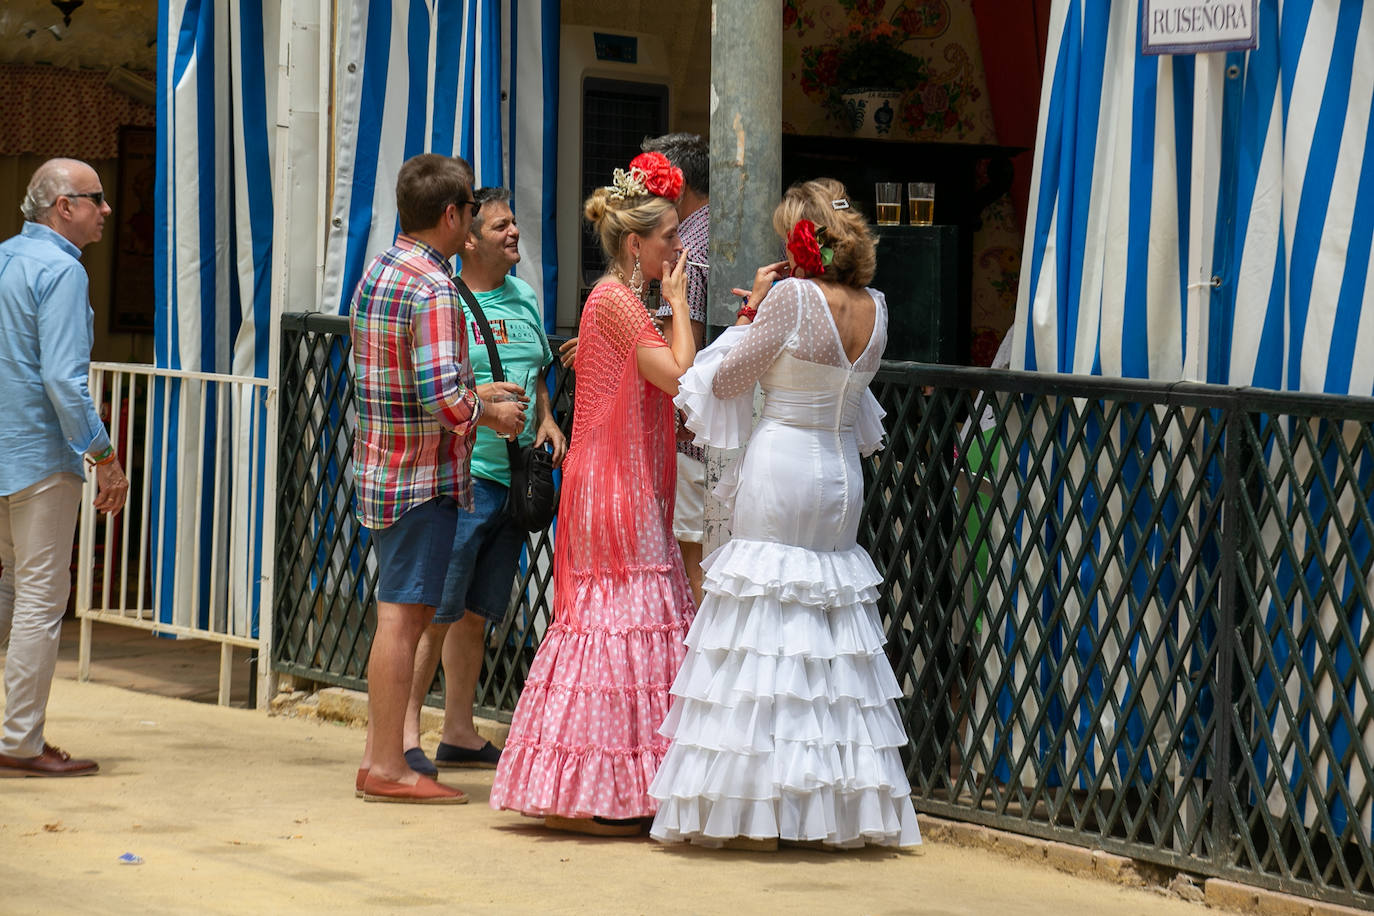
[584, 741]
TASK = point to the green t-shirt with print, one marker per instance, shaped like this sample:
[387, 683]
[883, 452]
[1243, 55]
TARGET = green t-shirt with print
[513, 313]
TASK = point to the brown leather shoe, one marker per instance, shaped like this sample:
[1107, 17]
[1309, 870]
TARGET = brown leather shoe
[52, 762]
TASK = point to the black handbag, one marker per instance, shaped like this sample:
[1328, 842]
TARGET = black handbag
[532, 500]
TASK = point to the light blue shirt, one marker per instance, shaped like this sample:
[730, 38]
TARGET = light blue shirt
[47, 418]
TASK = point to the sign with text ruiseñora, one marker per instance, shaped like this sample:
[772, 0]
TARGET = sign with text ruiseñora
[1198, 26]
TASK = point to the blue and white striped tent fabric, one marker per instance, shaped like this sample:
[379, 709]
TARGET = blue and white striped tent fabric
[475, 78]
[216, 81]
[1103, 290]
[1285, 224]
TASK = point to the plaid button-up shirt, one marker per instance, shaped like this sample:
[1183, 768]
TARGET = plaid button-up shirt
[413, 386]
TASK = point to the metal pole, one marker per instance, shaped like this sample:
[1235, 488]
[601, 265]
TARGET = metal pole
[746, 145]
[1232, 618]
[746, 173]
[1202, 204]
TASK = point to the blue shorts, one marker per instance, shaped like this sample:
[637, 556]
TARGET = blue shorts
[412, 553]
[485, 551]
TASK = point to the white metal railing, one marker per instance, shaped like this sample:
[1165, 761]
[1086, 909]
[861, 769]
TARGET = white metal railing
[191, 553]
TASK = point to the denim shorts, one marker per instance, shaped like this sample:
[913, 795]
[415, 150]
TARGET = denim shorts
[412, 553]
[485, 551]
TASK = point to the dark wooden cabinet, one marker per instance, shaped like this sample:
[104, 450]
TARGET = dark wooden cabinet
[918, 272]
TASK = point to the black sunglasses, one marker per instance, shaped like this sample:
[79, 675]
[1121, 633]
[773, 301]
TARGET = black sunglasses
[471, 204]
[95, 197]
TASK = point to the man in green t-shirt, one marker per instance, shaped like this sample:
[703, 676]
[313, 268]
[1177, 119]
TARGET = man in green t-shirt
[486, 546]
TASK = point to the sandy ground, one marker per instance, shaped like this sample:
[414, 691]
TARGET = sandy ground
[234, 811]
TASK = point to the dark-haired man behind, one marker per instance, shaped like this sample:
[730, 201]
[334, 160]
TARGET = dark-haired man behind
[418, 411]
[691, 153]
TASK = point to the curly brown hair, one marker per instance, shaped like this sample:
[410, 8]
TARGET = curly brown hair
[846, 231]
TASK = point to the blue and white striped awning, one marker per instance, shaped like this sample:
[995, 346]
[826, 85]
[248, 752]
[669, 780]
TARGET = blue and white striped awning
[1267, 208]
[216, 86]
[212, 281]
[475, 78]
[1287, 215]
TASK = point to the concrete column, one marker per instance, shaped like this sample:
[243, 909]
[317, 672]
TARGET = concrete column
[746, 175]
[746, 145]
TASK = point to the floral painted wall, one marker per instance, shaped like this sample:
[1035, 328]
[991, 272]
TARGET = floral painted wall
[929, 50]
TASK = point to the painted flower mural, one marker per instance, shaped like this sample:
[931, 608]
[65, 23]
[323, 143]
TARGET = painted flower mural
[946, 102]
[850, 44]
[796, 16]
[922, 18]
[944, 105]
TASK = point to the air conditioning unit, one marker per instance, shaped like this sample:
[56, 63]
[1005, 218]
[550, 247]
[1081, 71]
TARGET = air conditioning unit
[613, 92]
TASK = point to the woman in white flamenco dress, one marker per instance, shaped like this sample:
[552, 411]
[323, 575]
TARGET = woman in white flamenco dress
[783, 723]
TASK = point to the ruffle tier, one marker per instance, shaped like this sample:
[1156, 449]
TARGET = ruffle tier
[784, 722]
[764, 725]
[731, 679]
[584, 738]
[744, 568]
[846, 820]
[577, 782]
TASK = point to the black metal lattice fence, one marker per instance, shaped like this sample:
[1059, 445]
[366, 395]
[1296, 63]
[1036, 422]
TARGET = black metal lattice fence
[326, 580]
[1126, 615]
[1136, 616]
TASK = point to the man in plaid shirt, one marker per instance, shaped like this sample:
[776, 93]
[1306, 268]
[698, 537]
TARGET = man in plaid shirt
[418, 412]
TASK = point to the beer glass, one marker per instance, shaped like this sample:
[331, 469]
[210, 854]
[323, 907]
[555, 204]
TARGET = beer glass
[889, 203]
[921, 202]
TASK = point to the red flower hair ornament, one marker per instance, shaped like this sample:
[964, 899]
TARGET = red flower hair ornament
[649, 173]
[806, 244]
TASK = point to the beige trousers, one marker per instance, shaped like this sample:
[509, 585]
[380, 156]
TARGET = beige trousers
[36, 528]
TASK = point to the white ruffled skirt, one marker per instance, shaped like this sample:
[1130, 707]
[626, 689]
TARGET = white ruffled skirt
[783, 721]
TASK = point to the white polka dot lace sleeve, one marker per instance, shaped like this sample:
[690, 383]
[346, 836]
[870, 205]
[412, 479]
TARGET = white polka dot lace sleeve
[764, 340]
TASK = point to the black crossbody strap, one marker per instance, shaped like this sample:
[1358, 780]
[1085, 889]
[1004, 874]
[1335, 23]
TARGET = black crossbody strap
[497, 373]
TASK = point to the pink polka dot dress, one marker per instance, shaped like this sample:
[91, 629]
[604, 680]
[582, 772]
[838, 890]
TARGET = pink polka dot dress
[584, 739]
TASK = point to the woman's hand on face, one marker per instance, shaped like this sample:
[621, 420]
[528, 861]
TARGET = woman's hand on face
[673, 286]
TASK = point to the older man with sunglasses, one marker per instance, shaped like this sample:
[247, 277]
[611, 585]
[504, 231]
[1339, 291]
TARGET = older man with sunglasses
[48, 425]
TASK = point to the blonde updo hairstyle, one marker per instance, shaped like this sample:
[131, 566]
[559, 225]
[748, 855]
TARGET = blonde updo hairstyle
[615, 219]
[846, 231]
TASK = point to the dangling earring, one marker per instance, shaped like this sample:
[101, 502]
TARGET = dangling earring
[637, 279]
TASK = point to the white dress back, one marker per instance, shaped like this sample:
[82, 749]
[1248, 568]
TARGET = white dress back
[805, 481]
